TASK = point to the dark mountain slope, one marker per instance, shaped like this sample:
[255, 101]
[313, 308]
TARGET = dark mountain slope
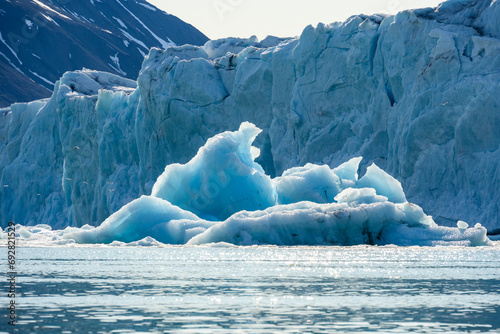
[42, 39]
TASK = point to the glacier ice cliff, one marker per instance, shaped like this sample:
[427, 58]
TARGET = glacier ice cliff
[418, 94]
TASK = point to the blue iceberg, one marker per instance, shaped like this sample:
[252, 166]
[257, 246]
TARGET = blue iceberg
[222, 179]
[223, 195]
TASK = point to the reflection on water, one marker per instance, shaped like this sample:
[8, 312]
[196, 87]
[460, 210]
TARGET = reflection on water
[257, 290]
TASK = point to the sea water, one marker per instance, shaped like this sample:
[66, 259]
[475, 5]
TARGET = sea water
[255, 290]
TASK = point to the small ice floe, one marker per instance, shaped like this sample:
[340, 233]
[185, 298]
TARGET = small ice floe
[462, 226]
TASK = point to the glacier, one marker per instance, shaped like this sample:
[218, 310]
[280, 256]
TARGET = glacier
[416, 94]
[236, 203]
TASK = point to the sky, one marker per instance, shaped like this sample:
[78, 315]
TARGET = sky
[282, 18]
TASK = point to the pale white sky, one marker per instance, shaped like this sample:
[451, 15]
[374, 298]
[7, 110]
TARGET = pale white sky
[282, 18]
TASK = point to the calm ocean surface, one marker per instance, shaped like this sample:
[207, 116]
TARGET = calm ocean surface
[256, 290]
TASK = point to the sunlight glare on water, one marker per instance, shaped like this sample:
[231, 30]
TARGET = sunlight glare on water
[258, 289]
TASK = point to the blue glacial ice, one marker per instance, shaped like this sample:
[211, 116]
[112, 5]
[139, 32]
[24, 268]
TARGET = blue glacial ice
[223, 196]
[222, 179]
[147, 216]
[417, 93]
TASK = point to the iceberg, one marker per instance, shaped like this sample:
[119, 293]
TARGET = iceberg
[416, 93]
[309, 183]
[145, 217]
[243, 206]
[222, 179]
[343, 224]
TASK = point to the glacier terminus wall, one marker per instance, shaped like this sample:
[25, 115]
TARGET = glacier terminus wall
[417, 93]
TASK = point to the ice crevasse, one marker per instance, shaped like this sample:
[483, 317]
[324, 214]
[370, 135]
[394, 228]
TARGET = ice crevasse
[223, 196]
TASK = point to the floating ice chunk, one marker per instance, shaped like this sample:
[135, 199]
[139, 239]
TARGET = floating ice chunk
[439, 236]
[383, 183]
[221, 179]
[40, 228]
[415, 215]
[462, 225]
[146, 242]
[179, 232]
[348, 171]
[320, 184]
[23, 232]
[359, 196]
[309, 223]
[139, 219]
[376, 178]
[313, 183]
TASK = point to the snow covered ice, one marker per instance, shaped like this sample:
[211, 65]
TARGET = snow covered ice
[415, 94]
[223, 195]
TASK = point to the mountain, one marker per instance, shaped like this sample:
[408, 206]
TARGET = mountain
[42, 39]
[417, 93]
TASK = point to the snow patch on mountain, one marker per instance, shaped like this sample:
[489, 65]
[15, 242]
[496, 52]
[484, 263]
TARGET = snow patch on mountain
[162, 41]
[10, 49]
[44, 6]
[148, 7]
[116, 66]
[44, 79]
